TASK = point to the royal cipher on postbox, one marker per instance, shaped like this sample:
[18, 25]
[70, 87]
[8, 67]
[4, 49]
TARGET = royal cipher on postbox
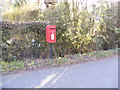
[51, 33]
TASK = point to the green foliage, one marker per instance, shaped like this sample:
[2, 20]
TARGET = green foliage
[78, 30]
[17, 41]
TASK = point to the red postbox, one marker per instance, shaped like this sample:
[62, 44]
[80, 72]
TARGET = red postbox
[51, 33]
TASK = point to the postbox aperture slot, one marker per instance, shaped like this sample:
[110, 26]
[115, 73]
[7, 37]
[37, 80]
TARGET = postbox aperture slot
[52, 28]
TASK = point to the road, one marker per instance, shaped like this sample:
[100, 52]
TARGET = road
[100, 74]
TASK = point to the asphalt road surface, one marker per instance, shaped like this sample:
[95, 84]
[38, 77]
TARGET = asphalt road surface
[100, 74]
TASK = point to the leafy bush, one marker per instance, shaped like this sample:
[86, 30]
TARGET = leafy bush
[78, 31]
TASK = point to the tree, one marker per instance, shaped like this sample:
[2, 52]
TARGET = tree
[22, 12]
[108, 15]
[60, 16]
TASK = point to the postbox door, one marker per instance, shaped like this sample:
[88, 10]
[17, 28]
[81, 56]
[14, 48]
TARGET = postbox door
[51, 33]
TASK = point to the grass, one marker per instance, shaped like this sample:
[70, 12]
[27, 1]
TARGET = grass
[37, 63]
[14, 65]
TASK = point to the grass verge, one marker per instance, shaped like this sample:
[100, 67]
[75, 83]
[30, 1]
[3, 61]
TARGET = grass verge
[28, 65]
